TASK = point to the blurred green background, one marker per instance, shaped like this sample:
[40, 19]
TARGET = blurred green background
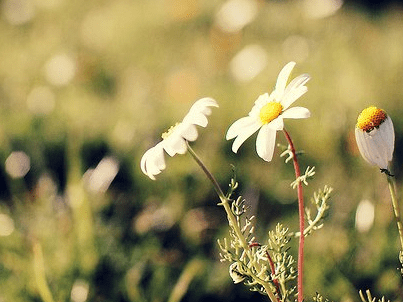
[86, 87]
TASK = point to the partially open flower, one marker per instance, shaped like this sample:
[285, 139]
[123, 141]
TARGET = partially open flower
[174, 140]
[375, 137]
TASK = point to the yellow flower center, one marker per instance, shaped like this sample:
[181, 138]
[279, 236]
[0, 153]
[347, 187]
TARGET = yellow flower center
[370, 118]
[169, 131]
[270, 111]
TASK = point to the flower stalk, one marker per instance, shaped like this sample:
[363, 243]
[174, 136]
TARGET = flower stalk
[231, 217]
[301, 219]
[396, 207]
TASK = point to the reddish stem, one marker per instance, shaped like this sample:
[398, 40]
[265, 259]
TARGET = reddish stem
[272, 268]
[301, 220]
[275, 281]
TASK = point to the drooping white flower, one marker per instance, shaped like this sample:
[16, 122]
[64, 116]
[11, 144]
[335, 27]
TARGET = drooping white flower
[174, 140]
[375, 137]
[268, 113]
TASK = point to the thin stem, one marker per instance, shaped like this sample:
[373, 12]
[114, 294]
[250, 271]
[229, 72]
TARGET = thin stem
[269, 292]
[223, 198]
[231, 217]
[301, 213]
[396, 208]
[273, 271]
[210, 176]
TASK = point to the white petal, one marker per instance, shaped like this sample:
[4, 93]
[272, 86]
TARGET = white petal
[386, 139]
[262, 99]
[277, 123]
[238, 126]
[174, 144]
[198, 112]
[380, 151]
[296, 83]
[202, 106]
[153, 162]
[244, 134]
[204, 103]
[388, 133]
[295, 90]
[363, 145]
[373, 147]
[265, 143]
[196, 118]
[282, 79]
[189, 132]
[296, 112]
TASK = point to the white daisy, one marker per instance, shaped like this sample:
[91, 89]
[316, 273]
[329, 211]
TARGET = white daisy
[268, 113]
[174, 140]
[375, 137]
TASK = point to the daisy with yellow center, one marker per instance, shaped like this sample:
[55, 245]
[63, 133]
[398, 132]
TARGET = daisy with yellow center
[174, 141]
[375, 137]
[268, 113]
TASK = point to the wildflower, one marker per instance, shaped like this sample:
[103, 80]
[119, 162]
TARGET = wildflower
[375, 137]
[268, 113]
[174, 140]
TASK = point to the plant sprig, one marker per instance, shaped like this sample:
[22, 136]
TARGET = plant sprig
[320, 200]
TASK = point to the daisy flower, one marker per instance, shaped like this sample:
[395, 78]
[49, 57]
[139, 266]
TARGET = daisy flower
[174, 140]
[375, 137]
[268, 113]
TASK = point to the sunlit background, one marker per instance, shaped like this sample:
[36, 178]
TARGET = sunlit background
[86, 87]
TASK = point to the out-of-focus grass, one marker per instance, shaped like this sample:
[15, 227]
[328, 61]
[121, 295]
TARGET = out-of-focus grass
[84, 81]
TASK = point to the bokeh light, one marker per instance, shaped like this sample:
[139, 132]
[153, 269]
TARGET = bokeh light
[248, 63]
[18, 164]
[6, 225]
[18, 12]
[79, 292]
[317, 9]
[102, 176]
[60, 69]
[236, 14]
[364, 216]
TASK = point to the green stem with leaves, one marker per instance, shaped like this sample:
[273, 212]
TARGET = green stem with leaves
[231, 217]
[301, 212]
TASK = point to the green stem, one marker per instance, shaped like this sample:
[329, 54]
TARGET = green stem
[39, 272]
[210, 176]
[301, 210]
[396, 208]
[223, 198]
[230, 215]
[192, 269]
